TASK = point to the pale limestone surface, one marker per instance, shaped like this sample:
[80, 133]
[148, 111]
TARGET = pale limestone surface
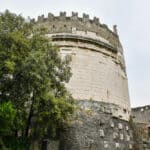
[98, 65]
[97, 74]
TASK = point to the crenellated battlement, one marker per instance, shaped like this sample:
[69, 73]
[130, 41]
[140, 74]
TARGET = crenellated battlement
[85, 18]
[64, 23]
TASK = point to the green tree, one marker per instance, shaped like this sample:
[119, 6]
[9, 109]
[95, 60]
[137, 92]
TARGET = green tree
[33, 77]
[7, 115]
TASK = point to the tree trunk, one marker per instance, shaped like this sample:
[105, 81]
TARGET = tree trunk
[29, 117]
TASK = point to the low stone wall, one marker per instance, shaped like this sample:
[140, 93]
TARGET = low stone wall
[141, 119]
[141, 114]
[95, 129]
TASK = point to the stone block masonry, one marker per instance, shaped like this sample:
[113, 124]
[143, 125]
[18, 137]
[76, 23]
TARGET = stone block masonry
[141, 119]
[99, 82]
[92, 130]
[98, 66]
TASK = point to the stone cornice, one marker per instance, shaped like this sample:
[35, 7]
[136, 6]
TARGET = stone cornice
[83, 39]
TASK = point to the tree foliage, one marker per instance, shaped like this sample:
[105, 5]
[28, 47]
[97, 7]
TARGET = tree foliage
[7, 115]
[33, 77]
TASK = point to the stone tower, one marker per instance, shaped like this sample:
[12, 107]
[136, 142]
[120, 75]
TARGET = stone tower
[99, 82]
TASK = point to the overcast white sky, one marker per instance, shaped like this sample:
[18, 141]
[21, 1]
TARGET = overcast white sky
[133, 20]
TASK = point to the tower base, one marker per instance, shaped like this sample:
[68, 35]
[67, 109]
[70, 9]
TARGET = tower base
[95, 128]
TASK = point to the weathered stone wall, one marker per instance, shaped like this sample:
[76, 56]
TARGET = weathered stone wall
[97, 59]
[94, 128]
[141, 114]
[141, 119]
[99, 83]
[65, 24]
[53, 145]
[97, 75]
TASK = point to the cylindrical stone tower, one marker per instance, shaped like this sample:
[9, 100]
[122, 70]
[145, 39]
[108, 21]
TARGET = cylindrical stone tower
[97, 59]
[99, 82]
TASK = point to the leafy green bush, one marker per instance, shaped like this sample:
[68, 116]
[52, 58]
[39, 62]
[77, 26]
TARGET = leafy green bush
[14, 143]
[7, 115]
